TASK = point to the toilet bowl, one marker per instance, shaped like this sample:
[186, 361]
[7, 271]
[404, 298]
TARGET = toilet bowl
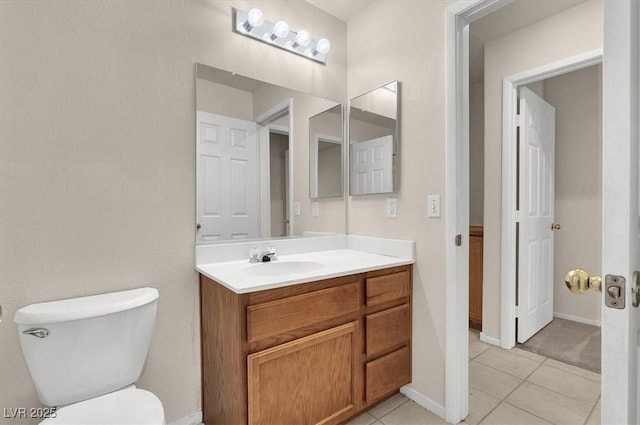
[85, 354]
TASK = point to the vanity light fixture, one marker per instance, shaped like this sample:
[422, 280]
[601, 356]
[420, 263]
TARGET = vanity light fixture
[252, 24]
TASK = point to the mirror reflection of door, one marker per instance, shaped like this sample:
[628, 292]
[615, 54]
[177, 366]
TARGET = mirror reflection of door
[372, 166]
[278, 181]
[227, 168]
[373, 139]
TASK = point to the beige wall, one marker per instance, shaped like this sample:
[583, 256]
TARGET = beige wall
[566, 34]
[223, 100]
[97, 159]
[330, 168]
[577, 98]
[377, 56]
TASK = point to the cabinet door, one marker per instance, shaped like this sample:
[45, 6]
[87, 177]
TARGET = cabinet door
[475, 277]
[307, 381]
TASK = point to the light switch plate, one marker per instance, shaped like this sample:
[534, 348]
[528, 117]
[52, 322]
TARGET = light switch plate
[315, 209]
[296, 208]
[392, 207]
[433, 206]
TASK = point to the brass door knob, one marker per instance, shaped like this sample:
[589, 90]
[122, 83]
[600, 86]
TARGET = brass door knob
[579, 281]
[555, 226]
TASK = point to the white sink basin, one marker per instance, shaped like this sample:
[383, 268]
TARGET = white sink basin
[282, 268]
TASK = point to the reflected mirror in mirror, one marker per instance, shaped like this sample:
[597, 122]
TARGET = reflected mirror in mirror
[252, 158]
[325, 153]
[374, 140]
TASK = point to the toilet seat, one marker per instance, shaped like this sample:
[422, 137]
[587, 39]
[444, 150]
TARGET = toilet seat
[126, 407]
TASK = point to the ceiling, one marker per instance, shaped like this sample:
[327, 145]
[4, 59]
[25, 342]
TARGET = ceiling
[341, 9]
[516, 15]
[519, 14]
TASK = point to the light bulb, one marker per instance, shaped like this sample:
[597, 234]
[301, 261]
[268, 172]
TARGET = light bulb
[302, 38]
[280, 29]
[255, 18]
[323, 46]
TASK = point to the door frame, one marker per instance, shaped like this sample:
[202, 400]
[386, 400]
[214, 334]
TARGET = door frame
[285, 131]
[508, 258]
[264, 122]
[457, 17]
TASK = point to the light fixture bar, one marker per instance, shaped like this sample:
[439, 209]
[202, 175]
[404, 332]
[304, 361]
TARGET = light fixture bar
[292, 41]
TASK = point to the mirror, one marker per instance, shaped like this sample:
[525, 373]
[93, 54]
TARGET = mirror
[252, 154]
[373, 141]
[325, 153]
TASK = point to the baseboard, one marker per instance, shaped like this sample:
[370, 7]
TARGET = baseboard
[489, 340]
[192, 419]
[423, 400]
[577, 319]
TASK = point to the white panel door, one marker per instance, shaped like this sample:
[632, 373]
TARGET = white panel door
[227, 184]
[536, 194]
[372, 166]
[620, 211]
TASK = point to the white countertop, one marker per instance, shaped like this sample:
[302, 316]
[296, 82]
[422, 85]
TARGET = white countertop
[241, 277]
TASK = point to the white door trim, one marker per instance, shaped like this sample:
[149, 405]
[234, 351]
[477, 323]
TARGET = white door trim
[265, 120]
[508, 258]
[457, 18]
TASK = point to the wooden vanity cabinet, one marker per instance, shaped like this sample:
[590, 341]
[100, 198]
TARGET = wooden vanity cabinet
[387, 332]
[313, 353]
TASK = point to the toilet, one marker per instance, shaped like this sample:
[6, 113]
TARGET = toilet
[85, 354]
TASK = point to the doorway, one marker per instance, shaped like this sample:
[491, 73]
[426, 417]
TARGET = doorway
[571, 326]
[511, 296]
[279, 180]
[620, 185]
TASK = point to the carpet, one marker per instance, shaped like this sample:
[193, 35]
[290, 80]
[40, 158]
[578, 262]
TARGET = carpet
[567, 341]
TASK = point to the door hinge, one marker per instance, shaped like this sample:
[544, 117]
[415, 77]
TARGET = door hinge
[517, 312]
[458, 240]
[518, 120]
[517, 216]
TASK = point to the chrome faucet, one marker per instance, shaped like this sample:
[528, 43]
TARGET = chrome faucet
[257, 255]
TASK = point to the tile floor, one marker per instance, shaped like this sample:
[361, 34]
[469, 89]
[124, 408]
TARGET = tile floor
[508, 387]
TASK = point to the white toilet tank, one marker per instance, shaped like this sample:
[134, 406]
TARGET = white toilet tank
[82, 348]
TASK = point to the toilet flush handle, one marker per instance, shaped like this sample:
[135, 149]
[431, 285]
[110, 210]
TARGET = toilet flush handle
[39, 332]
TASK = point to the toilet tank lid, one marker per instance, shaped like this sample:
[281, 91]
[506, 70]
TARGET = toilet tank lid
[84, 307]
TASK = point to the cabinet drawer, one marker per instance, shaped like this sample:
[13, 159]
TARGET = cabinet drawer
[280, 316]
[387, 329]
[381, 289]
[387, 374]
